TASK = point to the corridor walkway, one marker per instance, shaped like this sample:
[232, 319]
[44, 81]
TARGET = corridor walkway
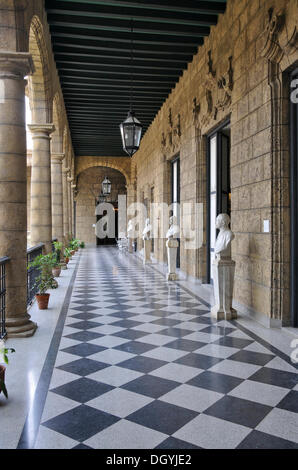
[140, 364]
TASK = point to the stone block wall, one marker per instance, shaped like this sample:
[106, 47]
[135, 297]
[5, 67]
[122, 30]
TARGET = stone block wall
[238, 75]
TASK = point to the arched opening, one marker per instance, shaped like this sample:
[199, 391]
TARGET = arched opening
[39, 83]
[88, 190]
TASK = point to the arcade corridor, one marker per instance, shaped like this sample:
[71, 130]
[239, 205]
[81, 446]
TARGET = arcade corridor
[138, 363]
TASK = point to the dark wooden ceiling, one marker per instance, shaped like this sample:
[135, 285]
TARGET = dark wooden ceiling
[92, 46]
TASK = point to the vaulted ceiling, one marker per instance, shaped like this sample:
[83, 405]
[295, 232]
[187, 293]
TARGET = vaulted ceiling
[92, 47]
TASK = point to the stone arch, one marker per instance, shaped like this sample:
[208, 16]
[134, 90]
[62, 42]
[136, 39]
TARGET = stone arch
[123, 165]
[57, 136]
[40, 86]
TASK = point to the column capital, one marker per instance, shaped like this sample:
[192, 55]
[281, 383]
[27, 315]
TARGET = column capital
[41, 130]
[57, 158]
[15, 65]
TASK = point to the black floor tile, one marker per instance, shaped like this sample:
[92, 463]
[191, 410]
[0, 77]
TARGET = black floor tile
[130, 334]
[85, 325]
[162, 417]
[81, 423]
[82, 390]
[135, 347]
[198, 360]
[175, 332]
[251, 357]
[260, 440]
[83, 349]
[151, 386]
[275, 377]
[84, 336]
[231, 342]
[239, 411]
[172, 443]
[290, 402]
[83, 366]
[185, 345]
[142, 364]
[220, 383]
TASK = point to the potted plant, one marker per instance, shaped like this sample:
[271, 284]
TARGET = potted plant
[56, 270]
[74, 245]
[4, 353]
[82, 245]
[45, 281]
[67, 255]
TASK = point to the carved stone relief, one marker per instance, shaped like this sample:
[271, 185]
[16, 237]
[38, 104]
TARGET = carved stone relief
[171, 139]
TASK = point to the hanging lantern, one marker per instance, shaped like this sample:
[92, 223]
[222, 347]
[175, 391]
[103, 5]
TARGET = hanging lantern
[131, 131]
[131, 128]
[106, 187]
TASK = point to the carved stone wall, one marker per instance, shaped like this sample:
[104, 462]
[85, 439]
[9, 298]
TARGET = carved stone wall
[237, 75]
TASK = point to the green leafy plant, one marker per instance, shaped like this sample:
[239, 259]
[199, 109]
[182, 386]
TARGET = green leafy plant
[4, 353]
[74, 244]
[82, 245]
[43, 283]
[58, 250]
[67, 253]
[45, 264]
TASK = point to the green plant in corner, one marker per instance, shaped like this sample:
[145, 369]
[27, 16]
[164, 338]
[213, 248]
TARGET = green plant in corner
[82, 245]
[4, 353]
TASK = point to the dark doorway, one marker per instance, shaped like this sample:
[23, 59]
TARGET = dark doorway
[294, 195]
[107, 240]
[218, 185]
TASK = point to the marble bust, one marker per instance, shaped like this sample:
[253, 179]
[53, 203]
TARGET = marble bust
[147, 230]
[174, 229]
[129, 229]
[225, 236]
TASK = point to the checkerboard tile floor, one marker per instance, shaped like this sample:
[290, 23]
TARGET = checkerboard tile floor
[141, 364]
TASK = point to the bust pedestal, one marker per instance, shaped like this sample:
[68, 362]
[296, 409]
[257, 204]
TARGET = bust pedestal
[223, 275]
[147, 251]
[130, 250]
[172, 245]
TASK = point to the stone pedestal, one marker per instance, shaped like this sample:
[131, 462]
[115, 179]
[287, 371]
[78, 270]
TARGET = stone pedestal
[13, 189]
[130, 242]
[172, 246]
[57, 196]
[147, 251]
[223, 275]
[41, 200]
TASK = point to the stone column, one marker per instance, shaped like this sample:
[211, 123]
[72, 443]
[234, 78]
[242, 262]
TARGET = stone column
[41, 203]
[57, 196]
[13, 194]
[65, 172]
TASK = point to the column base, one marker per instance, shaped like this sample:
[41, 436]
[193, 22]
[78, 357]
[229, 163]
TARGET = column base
[20, 328]
[172, 277]
[222, 315]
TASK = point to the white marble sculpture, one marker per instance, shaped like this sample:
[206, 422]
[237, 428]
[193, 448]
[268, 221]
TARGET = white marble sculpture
[130, 231]
[172, 245]
[147, 242]
[223, 271]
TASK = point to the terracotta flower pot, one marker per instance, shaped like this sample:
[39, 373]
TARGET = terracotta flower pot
[2, 376]
[43, 301]
[56, 271]
[66, 260]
